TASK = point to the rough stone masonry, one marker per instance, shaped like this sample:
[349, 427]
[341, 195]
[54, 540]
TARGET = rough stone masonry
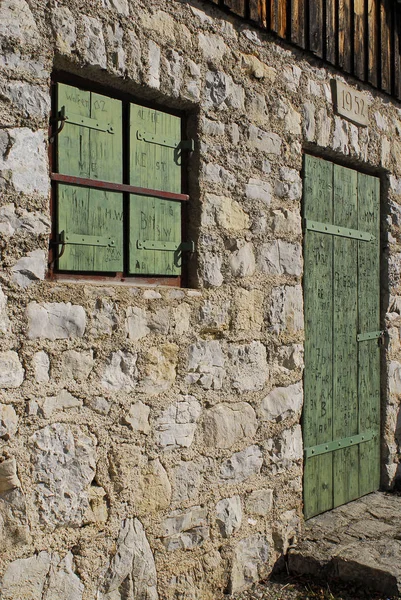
[150, 437]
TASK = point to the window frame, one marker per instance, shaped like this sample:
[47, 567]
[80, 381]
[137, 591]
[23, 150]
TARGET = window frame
[125, 188]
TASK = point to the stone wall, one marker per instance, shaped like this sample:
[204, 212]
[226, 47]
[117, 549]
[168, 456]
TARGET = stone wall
[150, 437]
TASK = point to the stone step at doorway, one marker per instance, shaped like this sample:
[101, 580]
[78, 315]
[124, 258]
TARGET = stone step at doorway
[359, 542]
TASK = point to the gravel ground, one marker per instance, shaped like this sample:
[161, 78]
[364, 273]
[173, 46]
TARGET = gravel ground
[291, 588]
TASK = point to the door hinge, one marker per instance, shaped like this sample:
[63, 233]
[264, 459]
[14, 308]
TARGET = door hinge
[357, 234]
[371, 335]
[87, 122]
[162, 140]
[166, 246]
[74, 239]
[352, 440]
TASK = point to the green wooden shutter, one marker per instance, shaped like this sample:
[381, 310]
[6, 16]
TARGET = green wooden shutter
[90, 146]
[155, 164]
[342, 359]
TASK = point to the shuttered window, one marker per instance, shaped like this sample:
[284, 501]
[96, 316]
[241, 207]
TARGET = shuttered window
[118, 187]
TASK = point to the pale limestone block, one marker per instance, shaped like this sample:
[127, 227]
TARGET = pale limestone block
[97, 512]
[340, 137]
[242, 261]
[120, 372]
[160, 369]
[287, 450]
[99, 405]
[5, 324]
[120, 6]
[63, 401]
[212, 276]
[30, 268]
[132, 562]
[64, 26]
[104, 318]
[136, 323]
[17, 24]
[94, 48]
[218, 175]
[8, 421]
[181, 318]
[76, 365]
[309, 124]
[8, 475]
[138, 417]
[41, 365]
[212, 47]
[153, 492]
[63, 581]
[291, 76]
[229, 515]
[257, 189]
[187, 480]
[289, 185]
[215, 315]
[324, 123]
[267, 142]
[185, 530]
[285, 222]
[227, 424]
[55, 321]
[154, 57]
[253, 66]
[206, 364]
[193, 82]
[250, 562]
[286, 310]
[280, 258]
[159, 321]
[31, 100]
[259, 502]
[11, 371]
[247, 366]
[225, 212]
[177, 425]
[282, 402]
[64, 464]
[174, 71]
[115, 36]
[394, 378]
[33, 222]
[25, 577]
[249, 310]
[242, 465]
[25, 164]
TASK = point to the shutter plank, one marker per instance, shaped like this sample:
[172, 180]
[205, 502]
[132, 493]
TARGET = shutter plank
[317, 415]
[331, 31]
[344, 35]
[359, 38]
[154, 164]
[316, 27]
[298, 22]
[345, 350]
[369, 320]
[373, 36]
[385, 50]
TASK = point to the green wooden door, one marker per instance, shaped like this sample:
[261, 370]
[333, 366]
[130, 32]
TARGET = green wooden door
[90, 146]
[342, 354]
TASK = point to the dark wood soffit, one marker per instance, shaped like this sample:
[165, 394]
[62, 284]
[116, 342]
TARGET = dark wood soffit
[359, 37]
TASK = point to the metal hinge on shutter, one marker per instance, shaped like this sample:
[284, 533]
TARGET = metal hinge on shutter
[353, 440]
[87, 122]
[166, 246]
[74, 239]
[362, 236]
[162, 140]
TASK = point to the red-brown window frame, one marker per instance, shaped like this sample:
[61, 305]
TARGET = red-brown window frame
[53, 273]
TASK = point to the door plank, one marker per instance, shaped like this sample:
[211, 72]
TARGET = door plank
[344, 35]
[369, 320]
[316, 27]
[317, 415]
[386, 44]
[373, 37]
[298, 22]
[359, 38]
[331, 32]
[345, 355]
